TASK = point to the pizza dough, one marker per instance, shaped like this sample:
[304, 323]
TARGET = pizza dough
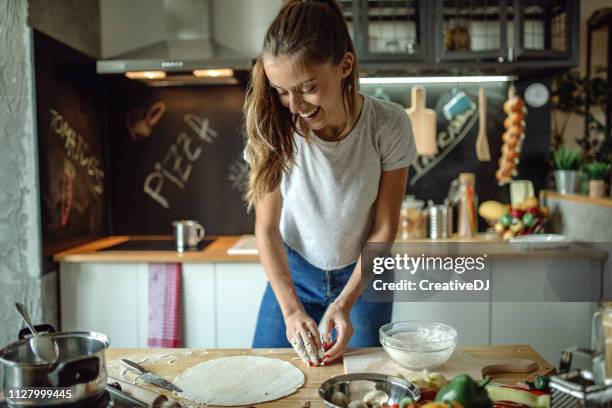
[239, 380]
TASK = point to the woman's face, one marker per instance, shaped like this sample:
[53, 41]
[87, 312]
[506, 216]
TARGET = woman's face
[315, 94]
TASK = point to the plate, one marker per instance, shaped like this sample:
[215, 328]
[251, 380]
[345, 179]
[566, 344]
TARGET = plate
[540, 241]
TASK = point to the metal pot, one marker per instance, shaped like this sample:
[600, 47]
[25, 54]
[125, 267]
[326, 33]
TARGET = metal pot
[567, 181]
[80, 371]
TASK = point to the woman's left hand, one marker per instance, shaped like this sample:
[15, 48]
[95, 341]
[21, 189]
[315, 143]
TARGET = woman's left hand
[338, 318]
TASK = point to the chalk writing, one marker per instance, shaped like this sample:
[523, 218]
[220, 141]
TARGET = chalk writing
[447, 140]
[177, 164]
[239, 175]
[66, 200]
[77, 149]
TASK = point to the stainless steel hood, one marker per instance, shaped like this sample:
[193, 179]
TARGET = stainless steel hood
[188, 45]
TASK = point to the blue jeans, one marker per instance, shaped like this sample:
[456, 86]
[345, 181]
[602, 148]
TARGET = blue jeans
[316, 289]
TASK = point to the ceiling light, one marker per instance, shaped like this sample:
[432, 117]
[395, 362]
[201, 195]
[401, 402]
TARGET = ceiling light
[434, 80]
[146, 74]
[213, 73]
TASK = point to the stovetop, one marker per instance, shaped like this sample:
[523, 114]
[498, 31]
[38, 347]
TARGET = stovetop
[111, 398]
[153, 245]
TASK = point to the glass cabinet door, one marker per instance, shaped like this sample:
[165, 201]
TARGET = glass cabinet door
[545, 28]
[471, 30]
[349, 11]
[392, 30]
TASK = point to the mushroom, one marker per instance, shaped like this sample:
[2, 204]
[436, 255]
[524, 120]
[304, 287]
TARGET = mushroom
[376, 398]
[339, 398]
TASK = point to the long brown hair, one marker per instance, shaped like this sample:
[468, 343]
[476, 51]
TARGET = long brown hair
[311, 31]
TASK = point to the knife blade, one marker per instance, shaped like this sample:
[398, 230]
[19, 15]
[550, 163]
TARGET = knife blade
[149, 377]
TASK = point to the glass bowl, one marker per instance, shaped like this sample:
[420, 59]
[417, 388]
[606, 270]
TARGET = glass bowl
[418, 345]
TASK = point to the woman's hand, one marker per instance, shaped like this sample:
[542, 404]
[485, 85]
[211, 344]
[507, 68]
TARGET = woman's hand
[303, 334]
[339, 318]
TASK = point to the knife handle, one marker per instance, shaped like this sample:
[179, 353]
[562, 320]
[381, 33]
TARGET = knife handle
[133, 366]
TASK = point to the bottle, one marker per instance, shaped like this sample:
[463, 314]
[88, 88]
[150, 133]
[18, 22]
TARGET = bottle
[468, 221]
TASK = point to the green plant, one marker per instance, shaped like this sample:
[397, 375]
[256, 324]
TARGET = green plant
[566, 159]
[568, 98]
[597, 170]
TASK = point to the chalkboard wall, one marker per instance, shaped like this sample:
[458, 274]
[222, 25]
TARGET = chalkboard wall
[176, 153]
[430, 179]
[72, 170]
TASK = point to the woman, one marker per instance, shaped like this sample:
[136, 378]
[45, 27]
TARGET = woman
[328, 172]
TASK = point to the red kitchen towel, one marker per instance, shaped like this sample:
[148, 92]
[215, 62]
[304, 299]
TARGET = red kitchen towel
[164, 305]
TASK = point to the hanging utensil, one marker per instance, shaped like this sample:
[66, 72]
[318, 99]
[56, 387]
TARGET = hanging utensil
[482, 142]
[42, 345]
[423, 123]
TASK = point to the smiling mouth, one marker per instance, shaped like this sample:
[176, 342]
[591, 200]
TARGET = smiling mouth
[309, 114]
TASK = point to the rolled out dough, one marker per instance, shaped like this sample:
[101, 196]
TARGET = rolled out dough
[239, 380]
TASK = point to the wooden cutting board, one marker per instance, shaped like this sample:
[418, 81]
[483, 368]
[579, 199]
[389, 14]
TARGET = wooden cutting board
[375, 360]
[423, 123]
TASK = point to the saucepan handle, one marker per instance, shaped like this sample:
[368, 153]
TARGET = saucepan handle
[40, 328]
[74, 372]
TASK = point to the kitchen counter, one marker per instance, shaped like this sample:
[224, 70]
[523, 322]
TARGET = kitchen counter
[578, 198]
[314, 375]
[90, 252]
[217, 251]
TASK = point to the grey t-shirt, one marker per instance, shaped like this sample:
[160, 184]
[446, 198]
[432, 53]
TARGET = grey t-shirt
[330, 191]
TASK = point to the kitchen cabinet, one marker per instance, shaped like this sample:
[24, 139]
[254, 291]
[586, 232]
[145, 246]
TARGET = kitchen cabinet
[507, 31]
[221, 298]
[109, 298]
[552, 325]
[199, 301]
[471, 319]
[546, 29]
[239, 288]
[389, 30]
[471, 30]
[219, 305]
[455, 34]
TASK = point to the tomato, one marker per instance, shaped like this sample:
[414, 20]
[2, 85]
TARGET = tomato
[427, 394]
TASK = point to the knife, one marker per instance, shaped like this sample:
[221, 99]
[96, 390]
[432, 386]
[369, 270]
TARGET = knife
[149, 377]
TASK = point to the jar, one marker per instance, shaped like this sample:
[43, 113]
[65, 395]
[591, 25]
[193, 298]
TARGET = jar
[412, 220]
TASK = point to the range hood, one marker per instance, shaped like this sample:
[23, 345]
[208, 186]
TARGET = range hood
[188, 45]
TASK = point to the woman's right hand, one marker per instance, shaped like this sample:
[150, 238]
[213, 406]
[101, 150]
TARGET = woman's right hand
[303, 334]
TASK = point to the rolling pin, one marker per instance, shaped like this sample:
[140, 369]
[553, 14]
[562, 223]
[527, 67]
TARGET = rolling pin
[151, 398]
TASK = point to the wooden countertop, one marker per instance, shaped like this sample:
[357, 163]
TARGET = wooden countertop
[578, 198]
[185, 358]
[90, 252]
[217, 251]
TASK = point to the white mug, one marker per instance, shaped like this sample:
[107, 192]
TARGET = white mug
[188, 234]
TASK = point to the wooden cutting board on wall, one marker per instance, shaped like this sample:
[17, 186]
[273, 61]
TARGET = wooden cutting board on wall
[500, 366]
[423, 123]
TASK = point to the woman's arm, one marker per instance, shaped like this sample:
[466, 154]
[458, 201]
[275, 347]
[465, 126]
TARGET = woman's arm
[391, 190]
[274, 260]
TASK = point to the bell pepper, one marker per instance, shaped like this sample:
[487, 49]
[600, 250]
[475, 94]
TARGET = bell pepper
[445, 404]
[467, 392]
[531, 398]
